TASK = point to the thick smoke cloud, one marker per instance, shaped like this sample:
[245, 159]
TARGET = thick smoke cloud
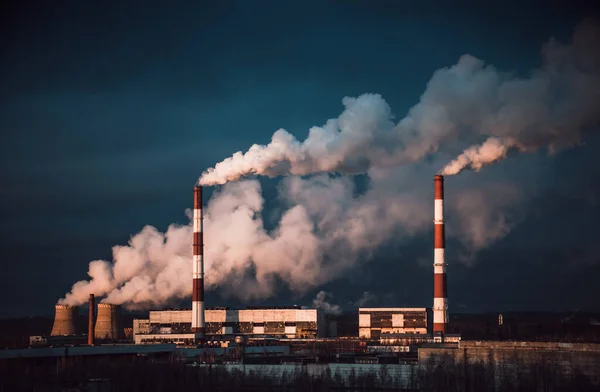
[327, 226]
[552, 109]
[148, 271]
[469, 101]
[323, 232]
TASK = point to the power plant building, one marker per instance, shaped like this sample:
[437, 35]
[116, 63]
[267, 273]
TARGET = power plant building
[176, 325]
[375, 322]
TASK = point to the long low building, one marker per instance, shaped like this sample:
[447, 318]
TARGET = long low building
[375, 322]
[175, 325]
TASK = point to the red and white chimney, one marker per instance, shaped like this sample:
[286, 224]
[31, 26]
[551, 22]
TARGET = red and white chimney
[198, 328]
[440, 295]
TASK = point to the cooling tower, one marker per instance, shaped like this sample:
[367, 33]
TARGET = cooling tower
[64, 320]
[440, 294]
[107, 322]
[91, 321]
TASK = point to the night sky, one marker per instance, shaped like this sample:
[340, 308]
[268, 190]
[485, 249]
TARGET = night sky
[111, 110]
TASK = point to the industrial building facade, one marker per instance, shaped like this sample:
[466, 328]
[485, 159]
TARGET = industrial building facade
[373, 322]
[176, 325]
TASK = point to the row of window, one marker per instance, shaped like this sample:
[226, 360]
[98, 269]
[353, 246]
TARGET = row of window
[302, 327]
[299, 324]
[389, 313]
[407, 324]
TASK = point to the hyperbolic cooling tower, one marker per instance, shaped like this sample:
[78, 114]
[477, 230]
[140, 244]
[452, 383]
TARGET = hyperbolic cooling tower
[64, 320]
[107, 322]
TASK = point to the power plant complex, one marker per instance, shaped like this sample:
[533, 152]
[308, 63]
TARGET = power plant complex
[197, 325]
[298, 336]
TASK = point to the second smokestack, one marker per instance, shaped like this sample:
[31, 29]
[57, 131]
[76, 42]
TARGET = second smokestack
[440, 294]
[198, 327]
[91, 312]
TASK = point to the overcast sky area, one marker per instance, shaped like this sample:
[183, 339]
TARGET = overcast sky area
[111, 111]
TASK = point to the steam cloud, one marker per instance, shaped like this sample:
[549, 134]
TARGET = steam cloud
[467, 101]
[321, 235]
[321, 301]
[475, 157]
[326, 227]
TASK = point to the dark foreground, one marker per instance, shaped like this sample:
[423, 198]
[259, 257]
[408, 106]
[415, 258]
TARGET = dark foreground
[132, 374]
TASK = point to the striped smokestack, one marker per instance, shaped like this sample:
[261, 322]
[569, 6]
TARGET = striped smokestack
[198, 268]
[91, 312]
[440, 295]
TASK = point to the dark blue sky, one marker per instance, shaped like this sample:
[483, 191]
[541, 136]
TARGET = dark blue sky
[111, 110]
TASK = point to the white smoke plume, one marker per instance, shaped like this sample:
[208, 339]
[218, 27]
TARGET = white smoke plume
[320, 236]
[468, 101]
[321, 301]
[149, 271]
[552, 109]
[326, 227]
[476, 157]
[487, 213]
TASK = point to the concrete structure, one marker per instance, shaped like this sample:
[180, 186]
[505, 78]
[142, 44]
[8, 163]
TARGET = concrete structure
[107, 322]
[512, 355]
[176, 325]
[198, 321]
[440, 294]
[374, 322]
[64, 320]
[91, 312]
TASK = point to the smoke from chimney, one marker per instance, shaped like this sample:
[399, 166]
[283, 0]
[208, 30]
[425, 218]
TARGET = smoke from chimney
[326, 226]
[476, 157]
[470, 100]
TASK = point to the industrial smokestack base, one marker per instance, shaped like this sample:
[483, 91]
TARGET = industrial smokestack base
[64, 320]
[198, 327]
[440, 294]
[91, 312]
[107, 322]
